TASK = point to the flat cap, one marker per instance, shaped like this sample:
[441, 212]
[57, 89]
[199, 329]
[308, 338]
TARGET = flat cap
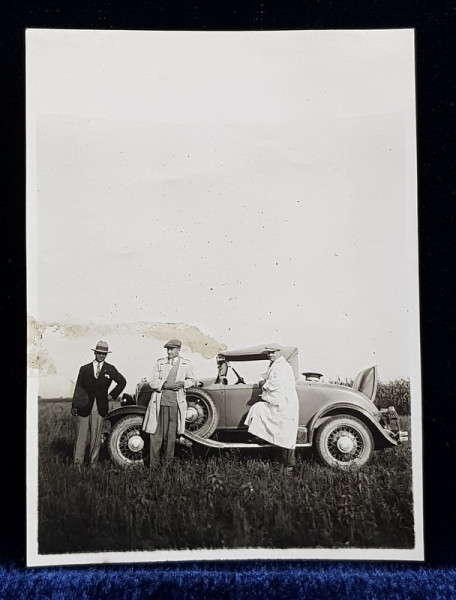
[173, 344]
[272, 348]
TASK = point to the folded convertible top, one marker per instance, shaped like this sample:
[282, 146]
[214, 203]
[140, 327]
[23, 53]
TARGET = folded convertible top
[290, 353]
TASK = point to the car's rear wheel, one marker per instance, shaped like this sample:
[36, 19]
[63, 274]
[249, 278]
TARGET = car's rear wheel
[202, 415]
[344, 442]
[127, 442]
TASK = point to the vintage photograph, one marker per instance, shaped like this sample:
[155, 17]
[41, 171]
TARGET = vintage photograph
[223, 317]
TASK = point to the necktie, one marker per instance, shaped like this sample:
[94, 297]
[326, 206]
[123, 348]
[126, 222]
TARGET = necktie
[98, 370]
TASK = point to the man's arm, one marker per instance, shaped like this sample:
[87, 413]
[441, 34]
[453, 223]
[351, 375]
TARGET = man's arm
[270, 387]
[78, 389]
[121, 383]
[154, 380]
[190, 380]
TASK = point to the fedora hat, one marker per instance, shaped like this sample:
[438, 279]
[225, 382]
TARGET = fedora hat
[102, 347]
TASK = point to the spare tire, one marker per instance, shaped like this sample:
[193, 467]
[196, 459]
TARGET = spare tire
[202, 415]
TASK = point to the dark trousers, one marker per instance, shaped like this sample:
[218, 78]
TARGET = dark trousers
[163, 441]
[288, 457]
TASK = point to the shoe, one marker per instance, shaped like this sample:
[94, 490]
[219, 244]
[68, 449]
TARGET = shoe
[290, 470]
[184, 442]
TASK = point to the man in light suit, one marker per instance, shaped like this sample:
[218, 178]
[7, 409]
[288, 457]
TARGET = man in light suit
[90, 402]
[275, 418]
[166, 412]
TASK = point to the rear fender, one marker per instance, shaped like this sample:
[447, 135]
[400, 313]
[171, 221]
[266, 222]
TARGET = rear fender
[382, 438]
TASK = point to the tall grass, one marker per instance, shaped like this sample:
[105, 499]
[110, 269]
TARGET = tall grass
[395, 393]
[229, 499]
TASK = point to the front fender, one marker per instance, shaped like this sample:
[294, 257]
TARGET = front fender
[381, 436]
[125, 411]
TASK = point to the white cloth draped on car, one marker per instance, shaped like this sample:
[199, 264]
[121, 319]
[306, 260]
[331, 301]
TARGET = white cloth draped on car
[276, 418]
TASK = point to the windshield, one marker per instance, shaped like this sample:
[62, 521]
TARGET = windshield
[248, 372]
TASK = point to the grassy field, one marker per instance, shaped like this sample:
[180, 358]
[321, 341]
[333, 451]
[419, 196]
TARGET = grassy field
[226, 499]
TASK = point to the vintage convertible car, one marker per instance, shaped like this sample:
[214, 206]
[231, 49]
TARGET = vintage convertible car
[341, 423]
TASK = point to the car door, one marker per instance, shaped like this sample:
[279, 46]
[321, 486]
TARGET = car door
[238, 400]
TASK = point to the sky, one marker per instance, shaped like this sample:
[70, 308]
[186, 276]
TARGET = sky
[231, 188]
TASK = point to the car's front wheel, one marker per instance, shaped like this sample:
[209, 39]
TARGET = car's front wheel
[127, 442]
[202, 415]
[344, 442]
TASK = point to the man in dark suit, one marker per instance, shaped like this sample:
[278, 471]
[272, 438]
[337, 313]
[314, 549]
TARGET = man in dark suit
[91, 402]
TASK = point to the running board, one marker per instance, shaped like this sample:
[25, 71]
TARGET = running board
[214, 444]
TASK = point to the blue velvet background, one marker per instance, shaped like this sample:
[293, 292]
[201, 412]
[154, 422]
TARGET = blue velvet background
[435, 24]
[250, 581]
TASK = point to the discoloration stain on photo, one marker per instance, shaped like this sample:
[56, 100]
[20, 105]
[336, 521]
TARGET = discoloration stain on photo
[37, 356]
[190, 335]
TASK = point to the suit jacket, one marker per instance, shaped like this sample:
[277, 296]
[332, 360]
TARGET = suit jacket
[89, 389]
[156, 381]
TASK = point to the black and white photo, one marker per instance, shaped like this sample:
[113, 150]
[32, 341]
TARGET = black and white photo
[222, 229]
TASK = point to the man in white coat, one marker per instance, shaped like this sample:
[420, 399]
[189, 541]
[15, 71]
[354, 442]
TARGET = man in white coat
[275, 418]
[166, 412]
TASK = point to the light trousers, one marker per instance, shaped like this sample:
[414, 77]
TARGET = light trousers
[93, 425]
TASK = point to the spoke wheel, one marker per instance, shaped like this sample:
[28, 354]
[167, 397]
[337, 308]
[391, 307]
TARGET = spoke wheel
[344, 442]
[127, 442]
[202, 415]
